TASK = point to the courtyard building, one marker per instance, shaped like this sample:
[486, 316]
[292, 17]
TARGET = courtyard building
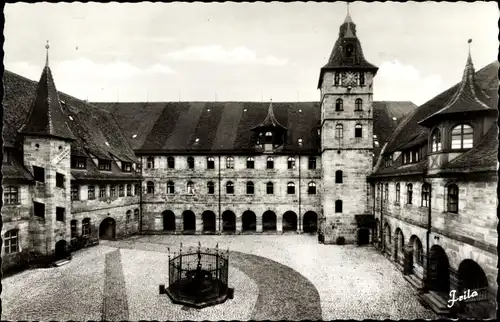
[418, 183]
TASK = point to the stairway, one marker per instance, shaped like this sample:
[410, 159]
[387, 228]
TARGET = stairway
[436, 302]
[414, 280]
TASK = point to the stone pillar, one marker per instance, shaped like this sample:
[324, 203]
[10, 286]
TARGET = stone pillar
[218, 224]
[279, 225]
[239, 225]
[199, 224]
[179, 224]
[258, 222]
[158, 226]
[454, 279]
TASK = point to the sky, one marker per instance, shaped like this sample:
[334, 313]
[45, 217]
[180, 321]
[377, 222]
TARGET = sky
[108, 52]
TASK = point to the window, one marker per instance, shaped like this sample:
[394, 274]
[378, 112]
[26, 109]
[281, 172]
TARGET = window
[268, 138]
[126, 166]
[150, 187]
[121, 190]
[112, 191]
[398, 192]
[229, 187]
[290, 188]
[388, 160]
[358, 131]
[312, 163]
[453, 198]
[210, 188]
[409, 193]
[250, 163]
[150, 163]
[136, 215]
[171, 162]
[338, 205]
[362, 79]
[129, 190]
[91, 192]
[336, 79]
[86, 227]
[190, 187]
[386, 192]
[73, 228]
[105, 165]
[170, 188]
[415, 155]
[339, 105]
[128, 216]
[291, 163]
[210, 163]
[349, 50]
[270, 162]
[39, 209]
[75, 192]
[338, 176]
[436, 141]
[59, 180]
[102, 192]
[339, 131]
[269, 188]
[250, 188]
[39, 174]
[60, 213]
[425, 195]
[358, 104]
[229, 163]
[311, 188]
[78, 163]
[419, 252]
[11, 242]
[11, 195]
[461, 137]
[137, 189]
[190, 162]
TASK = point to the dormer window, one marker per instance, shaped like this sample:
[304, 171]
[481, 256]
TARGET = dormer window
[78, 163]
[104, 165]
[436, 141]
[126, 166]
[462, 137]
[339, 105]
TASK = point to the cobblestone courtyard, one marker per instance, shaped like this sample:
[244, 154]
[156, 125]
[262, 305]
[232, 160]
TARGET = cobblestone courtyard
[287, 277]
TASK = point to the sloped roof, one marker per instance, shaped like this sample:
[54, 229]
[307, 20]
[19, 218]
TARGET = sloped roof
[91, 126]
[92, 173]
[467, 98]
[226, 127]
[486, 79]
[15, 171]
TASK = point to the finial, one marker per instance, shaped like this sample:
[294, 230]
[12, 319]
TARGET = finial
[47, 46]
[469, 41]
[347, 7]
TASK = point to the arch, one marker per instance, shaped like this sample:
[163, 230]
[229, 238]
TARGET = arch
[228, 221]
[436, 140]
[471, 276]
[438, 275]
[250, 163]
[269, 221]
[310, 222]
[387, 238]
[289, 221]
[399, 242]
[168, 220]
[249, 221]
[61, 250]
[188, 221]
[107, 229]
[417, 249]
[208, 218]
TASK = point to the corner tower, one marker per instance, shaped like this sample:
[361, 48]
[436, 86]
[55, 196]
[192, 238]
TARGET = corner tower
[346, 86]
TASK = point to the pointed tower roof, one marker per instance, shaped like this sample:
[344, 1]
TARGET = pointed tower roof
[46, 117]
[338, 59]
[468, 97]
[270, 122]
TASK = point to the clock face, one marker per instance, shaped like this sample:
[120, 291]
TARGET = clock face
[349, 79]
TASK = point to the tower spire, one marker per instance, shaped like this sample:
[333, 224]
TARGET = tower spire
[47, 46]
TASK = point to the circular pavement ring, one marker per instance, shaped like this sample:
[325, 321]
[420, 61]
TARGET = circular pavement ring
[284, 294]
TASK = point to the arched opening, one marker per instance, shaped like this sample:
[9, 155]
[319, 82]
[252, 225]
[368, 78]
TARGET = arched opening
[269, 221]
[387, 238]
[168, 220]
[208, 218]
[107, 229]
[399, 243]
[61, 250]
[438, 275]
[310, 222]
[249, 221]
[228, 221]
[289, 221]
[471, 276]
[188, 221]
[363, 236]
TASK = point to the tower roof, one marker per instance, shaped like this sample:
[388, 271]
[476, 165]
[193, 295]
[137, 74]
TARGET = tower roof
[338, 59]
[46, 117]
[468, 97]
[270, 121]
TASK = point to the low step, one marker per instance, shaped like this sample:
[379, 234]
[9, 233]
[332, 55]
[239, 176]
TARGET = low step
[436, 303]
[61, 262]
[413, 280]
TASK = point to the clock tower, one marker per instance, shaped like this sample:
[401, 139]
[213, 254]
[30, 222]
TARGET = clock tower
[346, 86]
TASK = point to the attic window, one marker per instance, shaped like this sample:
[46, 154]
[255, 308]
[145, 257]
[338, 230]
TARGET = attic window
[105, 165]
[134, 136]
[78, 163]
[127, 167]
[71, 118]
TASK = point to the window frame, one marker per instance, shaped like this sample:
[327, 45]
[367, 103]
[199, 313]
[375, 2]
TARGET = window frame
[210, 188]
[358, 105]
[150, 187]
[112, 191]
[210, 163]
[170, 162]
[312, 163]
[129, 190]
[60, 180]
[270, 163]
[339, 105]
[291, 163]
[102, 191]
[358, 131]
[230, 162]
[150, 162]
[409, 194]
[78, 163]
[104, 165]
[398, 193]
[170, 188]
[86, 227]
[250, 188]
[58, 213]
[190, 187]
[449, 201]
[229, 188]
[424, 195]
[250, 163]
[461, 134]
[190, 163]
[436, 140]
[290, 188]
[339, 176]
[311, 188]
[11, 195]
[269, 188]
[39, 174]
[11, 242]
[121, 190]
[90, 192]
[75, 192]
[126, 166]
[339, 206]
[339, 131]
